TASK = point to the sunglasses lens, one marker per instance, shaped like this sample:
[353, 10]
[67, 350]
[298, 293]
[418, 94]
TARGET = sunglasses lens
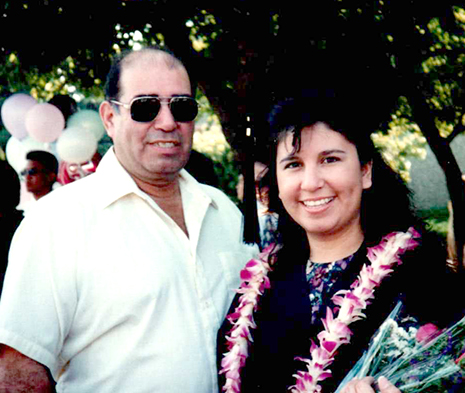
[145, 109]
[184, 108]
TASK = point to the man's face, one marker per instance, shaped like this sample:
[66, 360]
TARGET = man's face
[38, 180]
[159, 149]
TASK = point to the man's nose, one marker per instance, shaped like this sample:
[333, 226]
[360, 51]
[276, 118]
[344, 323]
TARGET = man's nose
[165, 120]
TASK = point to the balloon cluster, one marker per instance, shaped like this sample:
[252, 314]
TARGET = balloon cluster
[42, 126]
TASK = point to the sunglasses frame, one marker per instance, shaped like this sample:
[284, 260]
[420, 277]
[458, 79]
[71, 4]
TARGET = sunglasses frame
[162, 100]
[32, 172]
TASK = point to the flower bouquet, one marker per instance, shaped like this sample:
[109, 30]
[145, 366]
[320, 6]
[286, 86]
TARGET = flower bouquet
[414, 359]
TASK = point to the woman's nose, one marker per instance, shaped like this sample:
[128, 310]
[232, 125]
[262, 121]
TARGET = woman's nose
[312, 179]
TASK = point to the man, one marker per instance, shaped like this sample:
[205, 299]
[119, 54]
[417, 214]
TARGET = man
[40, 173]
[121, 280]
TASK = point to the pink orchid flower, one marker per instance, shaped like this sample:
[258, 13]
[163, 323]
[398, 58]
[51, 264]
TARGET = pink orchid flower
[426, 333]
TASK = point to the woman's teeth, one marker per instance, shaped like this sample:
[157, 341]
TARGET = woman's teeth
[318, 202]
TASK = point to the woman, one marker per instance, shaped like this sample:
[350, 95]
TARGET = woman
[334, 197]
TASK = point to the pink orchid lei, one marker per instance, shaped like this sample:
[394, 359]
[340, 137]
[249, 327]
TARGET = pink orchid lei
[351, 304]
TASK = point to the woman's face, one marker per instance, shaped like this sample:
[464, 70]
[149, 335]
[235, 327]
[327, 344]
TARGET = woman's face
[321, 185]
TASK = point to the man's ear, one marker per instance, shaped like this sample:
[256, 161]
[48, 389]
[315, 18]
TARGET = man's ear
[52, 177]
[367, 175]
[107, 114]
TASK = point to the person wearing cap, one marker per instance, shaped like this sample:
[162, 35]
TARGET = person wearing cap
[131, 270]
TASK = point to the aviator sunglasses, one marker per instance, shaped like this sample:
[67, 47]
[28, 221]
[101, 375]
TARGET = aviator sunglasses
[145, 109]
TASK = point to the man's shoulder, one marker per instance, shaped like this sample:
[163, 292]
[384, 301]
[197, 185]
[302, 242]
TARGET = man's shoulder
[218, 196]
[215, 194]
[71, 196]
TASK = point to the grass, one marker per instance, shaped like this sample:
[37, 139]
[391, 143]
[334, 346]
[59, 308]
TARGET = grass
[436, 219]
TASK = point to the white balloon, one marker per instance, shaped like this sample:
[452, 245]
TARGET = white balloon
[89, 120]
[76, 145]
[31, 144]
[14, 111]
[16, 151]
[16, 154]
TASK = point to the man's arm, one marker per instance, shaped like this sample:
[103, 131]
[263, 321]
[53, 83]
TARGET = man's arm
[18, 373]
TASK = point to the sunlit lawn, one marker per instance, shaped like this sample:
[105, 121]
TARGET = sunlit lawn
[437, 219]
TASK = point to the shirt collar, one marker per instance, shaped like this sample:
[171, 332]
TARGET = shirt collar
[118, 183]
[190, 184]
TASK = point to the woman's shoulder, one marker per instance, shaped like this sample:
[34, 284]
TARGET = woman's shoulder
[432, 290]
[427, 261]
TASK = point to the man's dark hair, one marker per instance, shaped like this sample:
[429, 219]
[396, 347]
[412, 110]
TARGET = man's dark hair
[113, 86]
[48, 160]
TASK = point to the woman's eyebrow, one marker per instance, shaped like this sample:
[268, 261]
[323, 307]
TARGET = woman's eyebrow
[292, 156]
[289, 157]
[333, 151]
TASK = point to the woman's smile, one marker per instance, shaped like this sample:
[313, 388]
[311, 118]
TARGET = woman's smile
[317, 202]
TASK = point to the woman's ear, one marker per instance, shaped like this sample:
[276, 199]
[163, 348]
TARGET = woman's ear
[367, 174]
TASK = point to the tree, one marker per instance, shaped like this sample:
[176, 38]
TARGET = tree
[246, 54]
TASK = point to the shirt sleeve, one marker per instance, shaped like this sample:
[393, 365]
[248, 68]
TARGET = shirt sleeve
[39, 296]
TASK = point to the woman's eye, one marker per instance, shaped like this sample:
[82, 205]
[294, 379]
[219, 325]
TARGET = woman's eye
[291, 165]
[331, 159]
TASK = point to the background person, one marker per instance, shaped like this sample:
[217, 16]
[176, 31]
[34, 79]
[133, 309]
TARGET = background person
[10, 216]
[129, 271]
[202, 168]
[67, 173]
[334, 197]
[40, 173]
[267, 221]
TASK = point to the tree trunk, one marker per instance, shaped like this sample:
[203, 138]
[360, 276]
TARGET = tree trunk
[425, 119]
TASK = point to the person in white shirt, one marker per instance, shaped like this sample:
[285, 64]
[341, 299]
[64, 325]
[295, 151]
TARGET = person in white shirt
[120, 281]
[40, 173]
[39, 178]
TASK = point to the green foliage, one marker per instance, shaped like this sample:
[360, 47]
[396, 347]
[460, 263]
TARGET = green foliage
[203, 30]
[436, 220]
[402, 141]
[13, 79]
[43, 86]
[237, 44]
[228, 173]
[443, 69]
[127, 38]
[441, 74]
[209, 139]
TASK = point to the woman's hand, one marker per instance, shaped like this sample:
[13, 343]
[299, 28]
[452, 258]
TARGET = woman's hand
[364, 386]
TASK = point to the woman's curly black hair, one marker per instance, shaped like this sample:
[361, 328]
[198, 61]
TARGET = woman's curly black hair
[386, 205]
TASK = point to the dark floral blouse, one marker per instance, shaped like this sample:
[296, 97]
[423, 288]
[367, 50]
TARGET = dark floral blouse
[321, 278]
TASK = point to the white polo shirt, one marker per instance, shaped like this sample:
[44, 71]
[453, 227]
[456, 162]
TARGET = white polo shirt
[110, 294]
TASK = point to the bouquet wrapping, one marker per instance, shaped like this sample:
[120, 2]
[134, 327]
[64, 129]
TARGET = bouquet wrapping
[414, 358]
